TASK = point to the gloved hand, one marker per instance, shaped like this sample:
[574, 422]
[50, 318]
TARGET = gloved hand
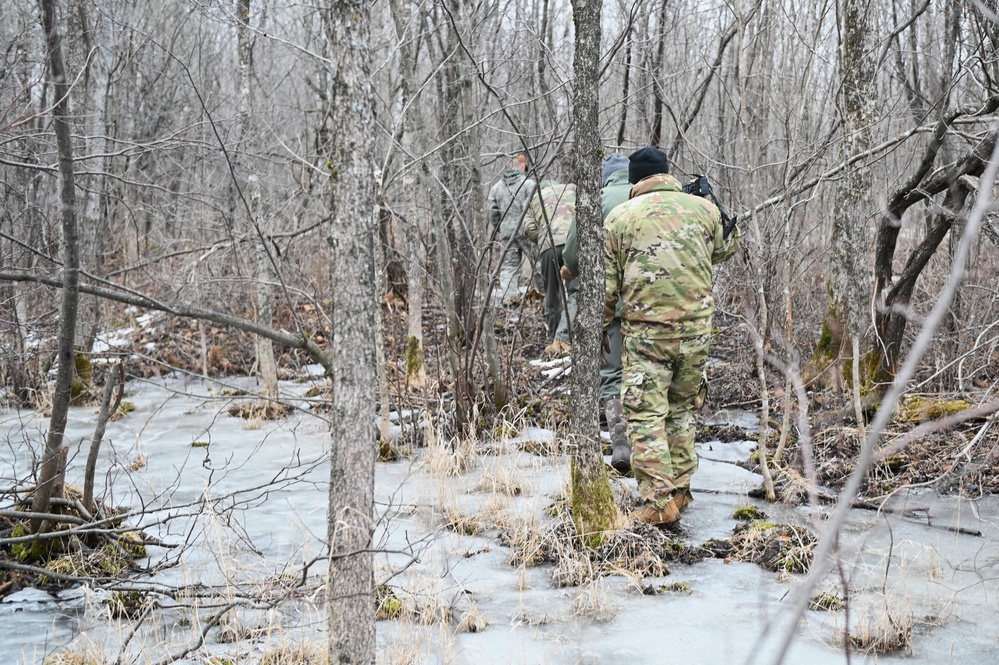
[566, 274]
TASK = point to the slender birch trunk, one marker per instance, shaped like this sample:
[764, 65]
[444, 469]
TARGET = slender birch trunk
[350, 591]
[51, 476]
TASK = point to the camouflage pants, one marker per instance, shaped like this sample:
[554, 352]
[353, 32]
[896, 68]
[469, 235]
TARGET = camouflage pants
[661, 392]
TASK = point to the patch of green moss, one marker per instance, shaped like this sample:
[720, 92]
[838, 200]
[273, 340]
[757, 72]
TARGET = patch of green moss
[748, 514]
[134, 544]
[505, 431]
[414, 356]
[920, 409]
[593, 506]
[65, 565]
[823, 348]
[678, 587]
[389, 604]
[83, 372]
[28, 552]
[124, 409]
[782, 548]
[672, 587]
[126, 604]
[826, 602]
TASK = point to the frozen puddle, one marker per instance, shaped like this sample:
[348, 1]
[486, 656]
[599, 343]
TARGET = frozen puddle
[246, 509]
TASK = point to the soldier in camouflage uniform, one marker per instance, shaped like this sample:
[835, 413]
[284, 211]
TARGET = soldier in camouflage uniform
[659, 249]
[552, 211]
[507, 203]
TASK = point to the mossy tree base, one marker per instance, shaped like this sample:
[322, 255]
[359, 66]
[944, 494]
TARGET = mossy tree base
[593, 508]
[831, 365]
[919, 409]
[416, 374]
[73, 557]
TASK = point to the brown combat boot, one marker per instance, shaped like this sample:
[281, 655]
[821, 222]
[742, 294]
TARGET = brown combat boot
[620, 448]
[656, 516]
[682, 498]
[558, 348]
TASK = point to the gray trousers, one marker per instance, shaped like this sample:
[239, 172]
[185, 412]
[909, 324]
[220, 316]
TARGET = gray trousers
[610, 368]
[509, 275]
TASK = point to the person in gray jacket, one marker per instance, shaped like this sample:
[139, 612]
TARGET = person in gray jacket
[615, 191]
[507, 202]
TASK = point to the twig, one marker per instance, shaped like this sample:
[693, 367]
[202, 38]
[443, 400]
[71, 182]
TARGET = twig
[787, 628]
[948, 422]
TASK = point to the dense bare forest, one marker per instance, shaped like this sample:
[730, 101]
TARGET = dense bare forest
[290, 184]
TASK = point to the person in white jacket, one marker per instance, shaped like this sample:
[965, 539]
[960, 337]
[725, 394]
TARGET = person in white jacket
[507, 202]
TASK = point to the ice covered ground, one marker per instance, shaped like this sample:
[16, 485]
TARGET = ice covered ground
[245, 508]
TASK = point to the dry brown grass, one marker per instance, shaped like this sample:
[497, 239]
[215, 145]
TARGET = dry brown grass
[783, 548]
[259, 410]
[886, 631]
[634, 549]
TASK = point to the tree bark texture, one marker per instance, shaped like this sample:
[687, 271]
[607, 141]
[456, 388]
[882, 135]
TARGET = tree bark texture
[593, 507]
[416, 372]
[50, 478]
[351, 605]
[263, 288]
[849, 281]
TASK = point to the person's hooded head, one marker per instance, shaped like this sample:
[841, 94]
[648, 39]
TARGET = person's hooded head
[513, 174]
[645, 162]
[612, 164]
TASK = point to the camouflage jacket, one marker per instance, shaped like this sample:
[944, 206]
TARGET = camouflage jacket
[659, 249]
[507, 201]
[553, 209]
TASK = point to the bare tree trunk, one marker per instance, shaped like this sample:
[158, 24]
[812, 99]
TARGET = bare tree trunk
[623, 124]
[456, 254]
[656, 135]
[416, 372]
[265, 278]
[749, 124]
[85, 53]
[350, 591]
[849, 280]
[593, 508]
[381, 372]
[51, 476]
[109, 405]
[264, 291]
[487, 331]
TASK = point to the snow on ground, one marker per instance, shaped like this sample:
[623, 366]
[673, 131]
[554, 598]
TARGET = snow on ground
[249, 504]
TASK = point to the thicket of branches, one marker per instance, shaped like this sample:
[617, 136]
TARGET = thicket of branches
[850, 137]
[203, 172]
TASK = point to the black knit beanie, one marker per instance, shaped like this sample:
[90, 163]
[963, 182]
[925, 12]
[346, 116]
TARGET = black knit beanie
[645, 162]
